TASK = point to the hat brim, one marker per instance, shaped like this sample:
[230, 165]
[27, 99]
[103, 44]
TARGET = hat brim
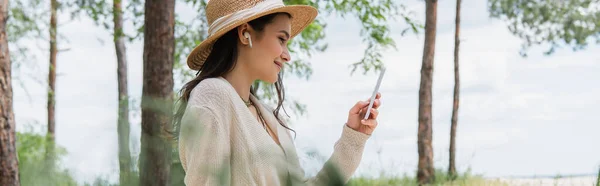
[302, 16]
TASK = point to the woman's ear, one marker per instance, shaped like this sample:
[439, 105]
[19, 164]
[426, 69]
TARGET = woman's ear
[245, 34]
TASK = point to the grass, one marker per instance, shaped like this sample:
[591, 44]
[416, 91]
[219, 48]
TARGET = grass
[31, 150]
[441, 179]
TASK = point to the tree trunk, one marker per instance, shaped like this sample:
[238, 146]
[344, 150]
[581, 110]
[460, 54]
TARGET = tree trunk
[159, 44]
[452, 166]
[425, 171]
[123, 120]
[51, 85]
[9, 166]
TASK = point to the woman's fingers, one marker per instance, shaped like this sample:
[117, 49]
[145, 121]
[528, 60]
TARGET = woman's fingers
[374, 114]
[369, 122]
[358, 106]
[377, 101]
[376, 105]
[363, 110]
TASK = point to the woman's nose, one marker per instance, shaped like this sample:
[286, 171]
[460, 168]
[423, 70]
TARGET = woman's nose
[285, 55]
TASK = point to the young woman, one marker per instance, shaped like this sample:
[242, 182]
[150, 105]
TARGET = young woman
[229, 137]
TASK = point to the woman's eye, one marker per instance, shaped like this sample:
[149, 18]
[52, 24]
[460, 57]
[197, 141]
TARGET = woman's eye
[282, 40]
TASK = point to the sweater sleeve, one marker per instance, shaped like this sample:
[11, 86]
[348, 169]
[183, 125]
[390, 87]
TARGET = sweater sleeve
[204, 147]
[344, 161]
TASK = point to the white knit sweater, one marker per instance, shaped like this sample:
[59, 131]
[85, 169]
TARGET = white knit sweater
[222, 143]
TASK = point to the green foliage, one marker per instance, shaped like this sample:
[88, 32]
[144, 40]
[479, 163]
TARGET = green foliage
[373, 16]
[187, 36]
[405, 180]
[177, 173]
[99, 11]
[441, 178]
[25, 22]
[28, 24]
[29, 19]
[102, 13]
[573, 23]
[33, 168]
[101, 181]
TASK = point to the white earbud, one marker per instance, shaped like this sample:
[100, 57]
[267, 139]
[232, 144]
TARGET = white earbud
[247, 35]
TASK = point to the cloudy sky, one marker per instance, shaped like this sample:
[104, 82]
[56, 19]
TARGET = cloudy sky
[518, 116]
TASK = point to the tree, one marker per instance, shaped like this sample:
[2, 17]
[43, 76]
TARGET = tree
[572, 23]
[454, 120]
[9, 166]
[99, 12]
[425, 170]
[157, 91]
[52, 82]
[123, 121]
[27, 22]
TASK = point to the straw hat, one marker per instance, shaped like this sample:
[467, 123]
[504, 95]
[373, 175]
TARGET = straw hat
[225, 15]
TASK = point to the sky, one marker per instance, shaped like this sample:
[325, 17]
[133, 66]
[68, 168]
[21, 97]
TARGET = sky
[517, 117]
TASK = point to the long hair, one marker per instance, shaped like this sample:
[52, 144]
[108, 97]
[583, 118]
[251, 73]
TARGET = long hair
[221, 60]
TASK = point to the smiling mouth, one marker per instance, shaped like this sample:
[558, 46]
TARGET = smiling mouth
[279, 64]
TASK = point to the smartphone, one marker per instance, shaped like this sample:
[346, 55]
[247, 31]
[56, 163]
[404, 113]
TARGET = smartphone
[375, 93]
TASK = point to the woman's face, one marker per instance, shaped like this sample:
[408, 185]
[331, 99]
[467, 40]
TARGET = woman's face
[269, 51]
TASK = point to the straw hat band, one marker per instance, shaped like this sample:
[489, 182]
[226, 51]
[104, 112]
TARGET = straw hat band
[234, 17]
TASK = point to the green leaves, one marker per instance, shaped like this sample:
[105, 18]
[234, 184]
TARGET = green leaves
[102, 13]
[33, 168]
[187, 36]
[23, 21]
[28, 21]
[571, 23]
[374, 17]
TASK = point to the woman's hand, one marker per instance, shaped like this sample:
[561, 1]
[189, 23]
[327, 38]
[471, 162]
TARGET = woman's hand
[357, 114]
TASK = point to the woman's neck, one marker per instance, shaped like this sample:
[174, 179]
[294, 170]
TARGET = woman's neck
[241, 82]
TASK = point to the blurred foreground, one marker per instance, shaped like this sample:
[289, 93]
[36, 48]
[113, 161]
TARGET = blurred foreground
[34, 171]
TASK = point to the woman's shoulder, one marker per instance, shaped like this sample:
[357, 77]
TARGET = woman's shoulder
[211, 91]
[212, 84]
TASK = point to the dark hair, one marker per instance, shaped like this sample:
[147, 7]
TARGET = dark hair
[221, 60]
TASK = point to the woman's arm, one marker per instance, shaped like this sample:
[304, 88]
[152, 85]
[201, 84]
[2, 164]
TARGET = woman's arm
[349, 148]
[204, 147]
[344, 161]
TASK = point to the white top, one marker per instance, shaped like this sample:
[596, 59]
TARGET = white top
[222, 143]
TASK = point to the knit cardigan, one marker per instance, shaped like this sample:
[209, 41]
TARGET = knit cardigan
[222, 143]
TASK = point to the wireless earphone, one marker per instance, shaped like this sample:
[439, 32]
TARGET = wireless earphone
[247, 35]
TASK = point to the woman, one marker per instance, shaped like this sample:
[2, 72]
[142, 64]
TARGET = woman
[226, 135]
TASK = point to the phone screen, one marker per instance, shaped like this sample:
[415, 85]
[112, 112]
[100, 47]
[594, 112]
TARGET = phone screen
[375, 93]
